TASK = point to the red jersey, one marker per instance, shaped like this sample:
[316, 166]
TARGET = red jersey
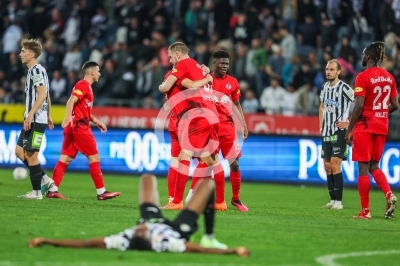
[173, 118]
[226, 89]
[83, 107]
[201, 98]
[377, 86]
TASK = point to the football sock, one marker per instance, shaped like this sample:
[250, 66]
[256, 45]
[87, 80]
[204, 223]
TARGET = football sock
[96, 174]
[329, 180]
[363, 189]
[182, 178]
[171, 179]
[58, 174]
[45, 177]
[100, 190]
[36, 176]
[235, 182]
[338, 186]
[381, 181]
[333, 201]
[338, 202]
[219, 179]
[209, 214]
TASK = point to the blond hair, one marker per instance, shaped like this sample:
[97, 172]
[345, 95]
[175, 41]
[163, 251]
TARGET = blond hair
[179, 47]
[338, 65]
[32, 44]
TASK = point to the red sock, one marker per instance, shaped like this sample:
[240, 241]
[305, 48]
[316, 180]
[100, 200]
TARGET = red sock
[363, 189]
[235, 182]
[171, 179]
[96, 174]
[58, 172]
[182, 178]
[199, 173]
[381, 181]
[219, 179]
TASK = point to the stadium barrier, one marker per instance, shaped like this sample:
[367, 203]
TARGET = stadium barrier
[265, 158]
[119, 117]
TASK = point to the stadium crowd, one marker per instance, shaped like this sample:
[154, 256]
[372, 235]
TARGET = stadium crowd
[279, 48]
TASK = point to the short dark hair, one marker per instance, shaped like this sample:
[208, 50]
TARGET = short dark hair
[139, 243]
[88, 65]
[220, 54]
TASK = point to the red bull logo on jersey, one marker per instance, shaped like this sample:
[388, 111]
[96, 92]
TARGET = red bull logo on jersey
[381, 79]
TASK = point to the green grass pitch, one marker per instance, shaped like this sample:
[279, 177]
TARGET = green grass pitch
[285, 226]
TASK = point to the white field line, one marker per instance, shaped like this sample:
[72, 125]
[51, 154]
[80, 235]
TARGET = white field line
[329, 260]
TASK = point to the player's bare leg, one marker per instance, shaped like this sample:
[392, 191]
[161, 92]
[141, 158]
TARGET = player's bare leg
[383, 184]
[363, 190]
[97, 177]
[202, 201]
[58, 175]
[236, 183]
[46, 182]
[148, 190]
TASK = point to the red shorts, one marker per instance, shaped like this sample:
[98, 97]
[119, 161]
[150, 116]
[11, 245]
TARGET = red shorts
[367, 146]
[175, 146]
[198, 135]
[80, 140]
[229, 146]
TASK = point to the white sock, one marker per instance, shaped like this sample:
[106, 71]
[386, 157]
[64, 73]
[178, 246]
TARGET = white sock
[38, 192]
[211, 236]
[189, 196]
[338, 202]
[100, 191]
[332, 202]
[170, 199]
[54, 188]
[45, 179]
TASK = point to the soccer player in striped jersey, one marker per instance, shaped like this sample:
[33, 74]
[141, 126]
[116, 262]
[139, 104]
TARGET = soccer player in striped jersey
[336, 97]
[156, 233]
[36, 118]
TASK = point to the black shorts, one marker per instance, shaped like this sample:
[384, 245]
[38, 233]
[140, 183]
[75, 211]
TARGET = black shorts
[31, 140]
[185, 223]
[335, 145]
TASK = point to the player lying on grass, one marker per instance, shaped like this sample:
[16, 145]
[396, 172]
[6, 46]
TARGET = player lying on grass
[154, 232]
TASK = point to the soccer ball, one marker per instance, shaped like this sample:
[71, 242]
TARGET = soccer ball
[20, 173]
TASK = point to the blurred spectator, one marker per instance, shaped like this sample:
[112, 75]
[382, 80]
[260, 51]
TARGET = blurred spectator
[307, 100]
[11, 39]
[238, 67]
[143, 80]
[272, 98]
[288, 44]
[303, 76]
[58, 87]
[290, 70]
[241, 31]
[135, 32]
[195, 22]
[71, 80]
[149, 103]
[72, 28]
[328, 34]
[250, 103]
[289, 14]
[53, 58]
[56, 24]
[308, 33]
[347, 52]
[5, 97]
[201, 53]
[386, 17]
[306, 8]
[73, 58]
[289, 101]
[275, 63]
[14, 69]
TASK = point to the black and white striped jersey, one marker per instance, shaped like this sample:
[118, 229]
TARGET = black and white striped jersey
[163, 238]
[337, 101]
[36, 77]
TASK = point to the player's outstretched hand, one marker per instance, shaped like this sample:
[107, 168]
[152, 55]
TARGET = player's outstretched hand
[205, 68]
[242, 252]
[342, 125]
[50, 123]
[102, 127]
[349, 136]
[35, 242]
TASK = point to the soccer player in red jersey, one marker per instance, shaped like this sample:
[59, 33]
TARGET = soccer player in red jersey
[78, 135]
[376, 97]
[198, 122]
[226, 88]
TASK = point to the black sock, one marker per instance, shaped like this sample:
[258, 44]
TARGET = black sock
[26, 163]
[209, 214]
[338, 185]
[36, 176]
[329, 180]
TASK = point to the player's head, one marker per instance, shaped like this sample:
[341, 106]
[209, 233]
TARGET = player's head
[375, 53]
[141, 239]
[30, 49]
[221, 62]
[91, 70]
[177, 51]
[332, 70]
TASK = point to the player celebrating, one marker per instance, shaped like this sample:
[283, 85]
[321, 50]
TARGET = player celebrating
[336, 97]
[226, 89]
[156, 233]
[370, 121]
[36, 118]
[78, 135]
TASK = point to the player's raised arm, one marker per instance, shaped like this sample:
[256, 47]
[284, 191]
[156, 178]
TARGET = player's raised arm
[193, 85]
[195, 248]
[90, 243]
[167, 85]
